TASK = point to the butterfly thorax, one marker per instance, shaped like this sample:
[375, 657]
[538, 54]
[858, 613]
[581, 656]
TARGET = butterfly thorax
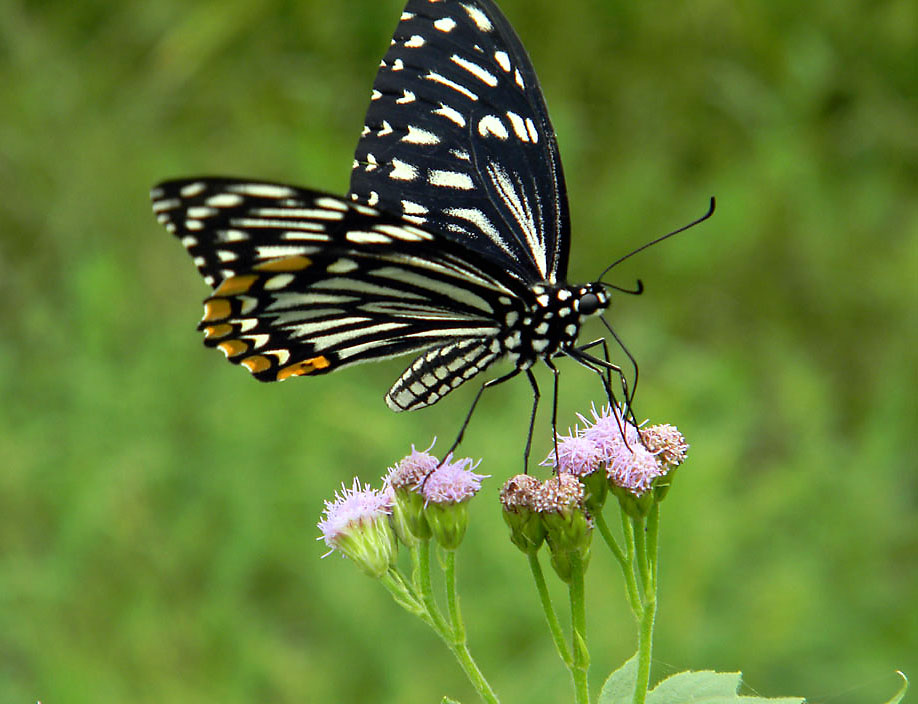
[548, 321]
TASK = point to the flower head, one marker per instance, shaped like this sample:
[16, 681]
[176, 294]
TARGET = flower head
[634, 470]
[410, 471]
[519, 496]
[611, 433]
[452, 482]
[406, 478]
[577, 454]
[667, 443]
[568, 526]
[446, 493]
[356, 522]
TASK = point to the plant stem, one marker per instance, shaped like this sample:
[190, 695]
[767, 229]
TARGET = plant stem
[553, 624]
[578, 630]
[627, 571]
[439, 623]
[404, 594]
[457, 643]
[647, 558]
[640, 551]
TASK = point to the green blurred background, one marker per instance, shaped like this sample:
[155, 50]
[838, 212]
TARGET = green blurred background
[157, 506]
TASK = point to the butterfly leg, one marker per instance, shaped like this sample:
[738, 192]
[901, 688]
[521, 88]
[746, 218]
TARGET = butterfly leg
[604, 365]
[468, 416]
[605, 375]
[554, 409]
[536, 395]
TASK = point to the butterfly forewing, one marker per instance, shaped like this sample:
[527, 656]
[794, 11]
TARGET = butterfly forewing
[457, 139]
[306, 283]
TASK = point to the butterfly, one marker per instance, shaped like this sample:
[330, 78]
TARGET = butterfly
[452, 243]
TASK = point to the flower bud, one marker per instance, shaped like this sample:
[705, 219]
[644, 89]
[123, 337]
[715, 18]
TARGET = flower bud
[447, 491]
[568, 527]
[518, 498]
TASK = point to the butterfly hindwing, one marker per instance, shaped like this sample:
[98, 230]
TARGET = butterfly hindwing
[457, 139]
[305, 283]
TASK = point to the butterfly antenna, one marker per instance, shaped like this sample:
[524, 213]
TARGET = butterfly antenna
[657, 241]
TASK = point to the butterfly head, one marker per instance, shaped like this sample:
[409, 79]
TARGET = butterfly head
[592, 300]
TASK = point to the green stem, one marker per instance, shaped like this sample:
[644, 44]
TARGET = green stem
[404, 594]
[647, 555]
[627, 571]
[640, 550]
[452, 600]
[653, 536]
[439, 623]
[458, 643]
[553, 624]
[578, 630]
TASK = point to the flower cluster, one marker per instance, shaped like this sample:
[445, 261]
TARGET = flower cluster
[421, 497]
[633, 458]
[552, 511]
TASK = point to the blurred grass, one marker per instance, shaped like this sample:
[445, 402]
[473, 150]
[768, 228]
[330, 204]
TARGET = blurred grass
[157, 507]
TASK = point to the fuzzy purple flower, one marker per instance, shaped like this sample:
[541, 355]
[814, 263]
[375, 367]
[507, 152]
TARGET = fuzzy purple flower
[634, 470]
[352, 507]
[606, 433]
[577, 455]
[356, 522]
[452, 482]
[410, 471]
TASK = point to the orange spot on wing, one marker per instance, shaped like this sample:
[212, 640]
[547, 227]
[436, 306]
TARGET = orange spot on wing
[235, 285]
[294, 263]
[216, 309]
[233, 348]
[256, 363]
[307, 366]
[217, 331]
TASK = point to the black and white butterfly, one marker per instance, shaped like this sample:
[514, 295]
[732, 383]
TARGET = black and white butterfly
[452, 243]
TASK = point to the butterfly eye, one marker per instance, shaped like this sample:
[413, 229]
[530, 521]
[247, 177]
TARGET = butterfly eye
[589, 304]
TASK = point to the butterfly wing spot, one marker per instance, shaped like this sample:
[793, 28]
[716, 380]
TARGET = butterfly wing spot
[284, 264]
[307, 366]
[216, 309]
[215, 332]
[445, 24]
[256, 363]
[233, 348]
[234, 285]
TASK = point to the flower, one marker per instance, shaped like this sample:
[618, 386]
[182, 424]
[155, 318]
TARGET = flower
[519, 496]
[356, 522]
[577, 454]
[635, 470]
[667, 443]
[446, 492]
[611, 433]
[406, 478]
[410, 471]
[452, 482]
[568, 526]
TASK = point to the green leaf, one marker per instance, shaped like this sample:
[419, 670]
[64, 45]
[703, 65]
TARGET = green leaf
[708, 687]
[619, 687]
[897, 697]
[694, 686]
[447, 700]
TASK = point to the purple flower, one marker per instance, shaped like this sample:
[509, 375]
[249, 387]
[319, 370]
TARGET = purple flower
[351, 509]
[356, 522]
[452, 482]
[635, 470]
[577, 454]
[410, 471]
[667, 443]
[606, 433]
